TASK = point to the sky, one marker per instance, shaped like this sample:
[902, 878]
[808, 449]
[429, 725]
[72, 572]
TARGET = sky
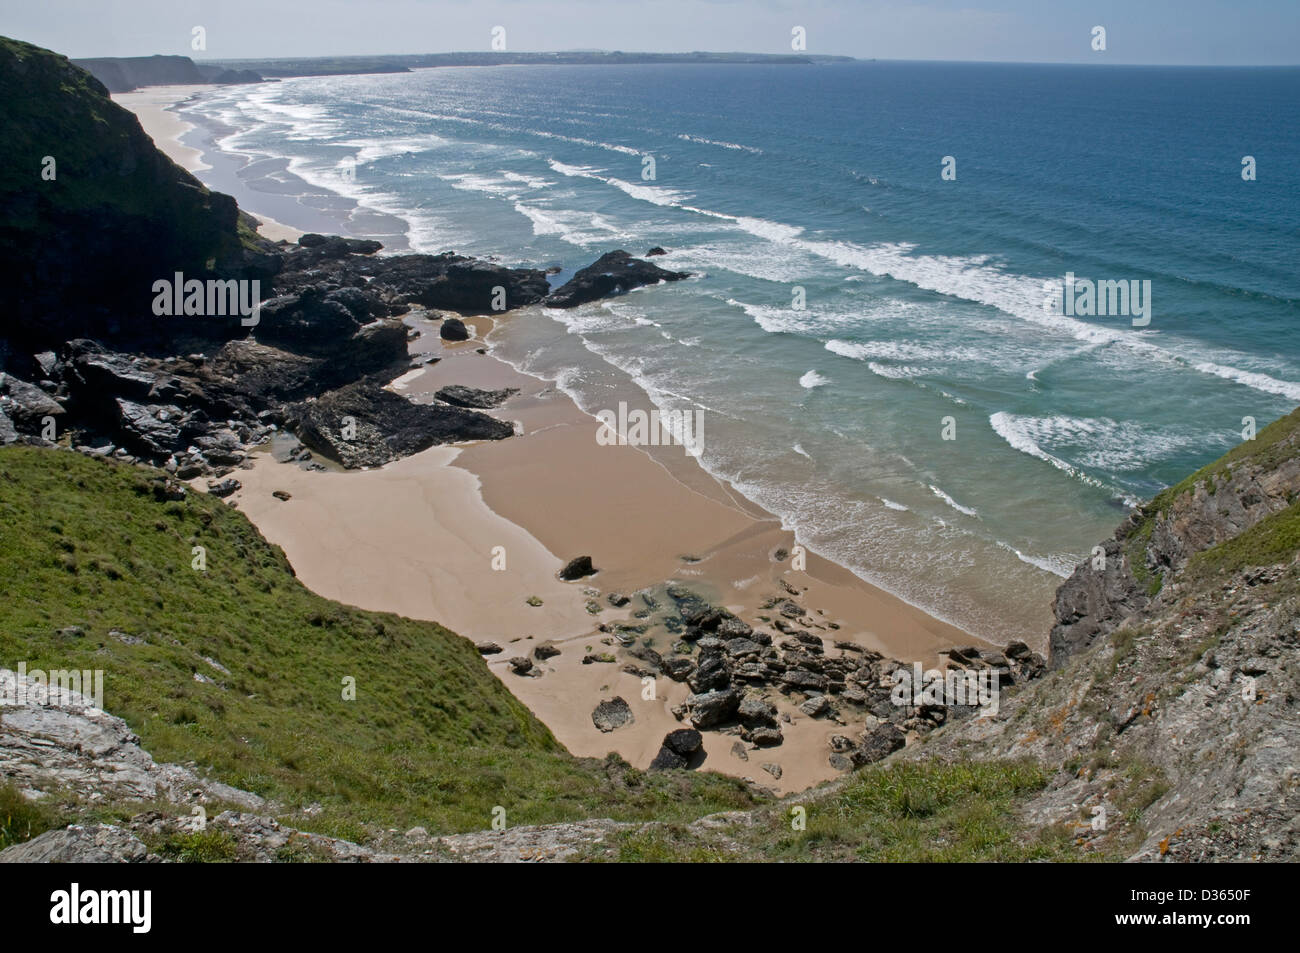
[1158, 32]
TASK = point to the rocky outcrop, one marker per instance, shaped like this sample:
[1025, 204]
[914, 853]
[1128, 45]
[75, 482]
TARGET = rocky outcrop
[56, 738]
[1123, 579]
[614, 273]
[463, 396]
[363, 425]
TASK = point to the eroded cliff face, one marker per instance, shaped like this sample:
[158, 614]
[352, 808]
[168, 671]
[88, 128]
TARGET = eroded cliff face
[1214, 505]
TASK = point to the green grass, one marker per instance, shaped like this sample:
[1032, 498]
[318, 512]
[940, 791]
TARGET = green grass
[926, 812]
[1272, 540]
[21, 819]
[199, 847]
[432, 738]
[905, 812]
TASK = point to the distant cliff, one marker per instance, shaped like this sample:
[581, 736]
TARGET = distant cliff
[121, 74]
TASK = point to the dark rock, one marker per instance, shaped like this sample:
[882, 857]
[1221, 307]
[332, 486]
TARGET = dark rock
[756, 712]
[150, 428]
[224, 488]
[453, 329]
[655, 251]
[388, 426]
[668, 760]
[488, 648]
[684, 741]
[26, 404]
[710, 709]
[733, 628]
[739, 648]
[766, 737]
[463, 396]
[879, 743]
[678, 669]
[816, 707]
[577, 568]
[800, 680]
[711, 675]
[614, 273]
[521, 665]
[543, 652]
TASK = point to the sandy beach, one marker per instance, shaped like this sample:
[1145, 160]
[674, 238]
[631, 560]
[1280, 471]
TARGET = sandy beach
[419, 537]
[473, 537]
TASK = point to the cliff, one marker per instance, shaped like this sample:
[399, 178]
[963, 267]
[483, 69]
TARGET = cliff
[91, 213]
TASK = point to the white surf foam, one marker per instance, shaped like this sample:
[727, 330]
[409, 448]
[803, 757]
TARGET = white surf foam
[736, 146]
[951, 502]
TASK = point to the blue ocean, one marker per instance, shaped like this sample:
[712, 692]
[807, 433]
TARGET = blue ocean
[870, 340]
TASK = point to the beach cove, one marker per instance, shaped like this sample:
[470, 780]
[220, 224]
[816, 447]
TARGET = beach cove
[419, 537]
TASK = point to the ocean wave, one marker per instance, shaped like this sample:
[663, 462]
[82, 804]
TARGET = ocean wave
[974, 279]
[1098, 443]
[971, 278]
[895, 506]
[951, 502]
[477, 182]
[720, 143]
[812, 379]
[901, 372]
[654, 194]
[370, 150]
[904, 351]
[533, 182]
[1057, 565]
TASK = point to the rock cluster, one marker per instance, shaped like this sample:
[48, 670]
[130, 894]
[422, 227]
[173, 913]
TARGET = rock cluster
[734, 671]
[198, 393]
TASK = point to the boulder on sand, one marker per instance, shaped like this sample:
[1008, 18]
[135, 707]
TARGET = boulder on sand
[577, 568]
[612, 713]
[453, 329]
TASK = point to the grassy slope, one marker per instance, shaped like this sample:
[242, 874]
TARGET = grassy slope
[432, 737]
